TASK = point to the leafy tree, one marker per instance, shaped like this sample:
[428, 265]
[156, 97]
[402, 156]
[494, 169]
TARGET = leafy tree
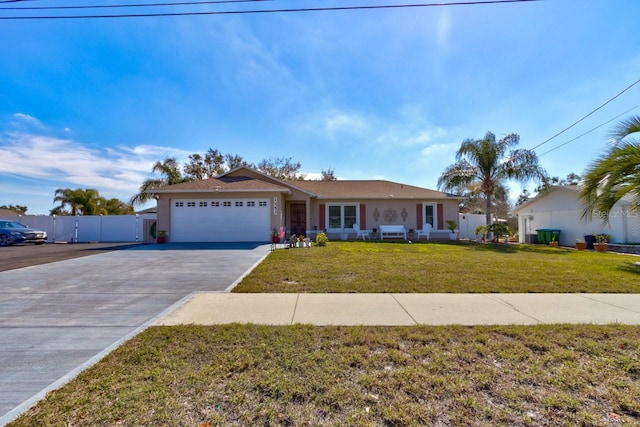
[79, 201]
[212, 164]
[475, 200]
[170, 174]
[490, 163]
[235, 161]
[281, 168]
[207, 166]
[116, 207]
[548, 182]
[87, 202]
[523, 197]
[615, 174]
[17, 208]
[328, 175]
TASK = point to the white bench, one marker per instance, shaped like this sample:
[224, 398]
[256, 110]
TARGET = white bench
[393, 231]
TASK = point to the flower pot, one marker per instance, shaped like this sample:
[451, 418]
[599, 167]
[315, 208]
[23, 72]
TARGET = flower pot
[553, 244]
[600, 247]
[581, 246]
[453, 236]
[275, 239]
[161, 239]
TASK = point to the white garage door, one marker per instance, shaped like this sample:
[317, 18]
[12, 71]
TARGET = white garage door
[220, 220]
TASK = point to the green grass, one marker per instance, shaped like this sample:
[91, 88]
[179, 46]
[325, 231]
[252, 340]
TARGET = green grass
[247, 375]
[442, 267]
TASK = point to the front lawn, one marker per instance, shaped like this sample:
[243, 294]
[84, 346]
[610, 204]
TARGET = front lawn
[442, 267]
[248, 375]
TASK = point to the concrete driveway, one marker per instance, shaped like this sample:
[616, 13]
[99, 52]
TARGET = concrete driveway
[57, 318]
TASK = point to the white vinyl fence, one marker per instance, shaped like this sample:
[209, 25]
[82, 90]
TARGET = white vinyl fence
[467, 224]
[82, 229]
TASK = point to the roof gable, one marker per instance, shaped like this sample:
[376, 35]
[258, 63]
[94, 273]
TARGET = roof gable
[246, 179]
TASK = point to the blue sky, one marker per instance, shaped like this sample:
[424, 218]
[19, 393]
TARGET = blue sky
[373, 94]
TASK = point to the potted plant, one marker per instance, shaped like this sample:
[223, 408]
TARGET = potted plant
[301, 241]
[600, 243]
[162, 236]
[374, 232]
[452, 225]
[553, 243]
[274, 236]
[581, 244]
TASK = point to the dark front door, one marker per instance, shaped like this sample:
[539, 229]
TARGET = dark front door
[298, 219]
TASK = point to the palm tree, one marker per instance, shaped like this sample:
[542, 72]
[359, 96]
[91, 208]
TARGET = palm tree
[79, 201]
[170, 172]
[615, 174]
[490, 163]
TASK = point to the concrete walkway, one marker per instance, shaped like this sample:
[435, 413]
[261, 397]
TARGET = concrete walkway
[405, 309]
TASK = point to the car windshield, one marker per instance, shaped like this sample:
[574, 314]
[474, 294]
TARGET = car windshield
[11, 224]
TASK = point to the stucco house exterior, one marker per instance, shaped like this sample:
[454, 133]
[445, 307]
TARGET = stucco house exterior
[559, 208]
[244, 205]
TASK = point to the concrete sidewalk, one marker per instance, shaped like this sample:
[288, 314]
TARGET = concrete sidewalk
[405, 309]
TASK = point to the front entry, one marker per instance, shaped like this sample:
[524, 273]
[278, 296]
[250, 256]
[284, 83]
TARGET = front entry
[298, 218]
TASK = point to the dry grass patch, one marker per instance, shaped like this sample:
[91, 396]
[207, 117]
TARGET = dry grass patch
[247, 375]
[442, 267]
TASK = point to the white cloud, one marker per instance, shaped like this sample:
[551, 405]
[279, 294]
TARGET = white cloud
[115, 172]
[440, 150]
[339, 122]
[28, 119]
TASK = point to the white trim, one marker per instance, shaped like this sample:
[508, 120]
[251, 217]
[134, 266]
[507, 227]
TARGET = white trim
[434, 226]
[342, 205]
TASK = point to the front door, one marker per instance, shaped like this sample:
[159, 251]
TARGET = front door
[298, 219]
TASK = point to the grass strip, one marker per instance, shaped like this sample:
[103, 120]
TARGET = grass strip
[248, 375]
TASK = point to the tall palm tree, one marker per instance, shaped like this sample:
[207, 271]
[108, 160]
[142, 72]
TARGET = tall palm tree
[490, 163]
[615, 174]
[170, 172]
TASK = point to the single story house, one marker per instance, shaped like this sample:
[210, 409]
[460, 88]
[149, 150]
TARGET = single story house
[560, 208]
[244, 205]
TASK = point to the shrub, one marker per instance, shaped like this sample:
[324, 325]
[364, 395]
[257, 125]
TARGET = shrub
[321, 239]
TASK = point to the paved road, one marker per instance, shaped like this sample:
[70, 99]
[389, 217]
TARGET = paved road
[26, 255]
[59, 316]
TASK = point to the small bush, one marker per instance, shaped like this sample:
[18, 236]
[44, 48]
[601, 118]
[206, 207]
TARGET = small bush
[321, 239]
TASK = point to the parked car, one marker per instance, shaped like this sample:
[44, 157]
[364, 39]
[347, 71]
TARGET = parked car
[12, 232]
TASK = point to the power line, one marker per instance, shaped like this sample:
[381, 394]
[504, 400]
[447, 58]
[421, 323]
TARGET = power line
[246, 12]
[575, 123]
[112, 6]
[589, 131]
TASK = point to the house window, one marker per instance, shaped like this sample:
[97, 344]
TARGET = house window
[251, 204]
[179, 204]
[191, 204]
[430, 214]
[262, 204]
[239, 204]
[203, 204]
[341, 216]
[215, 204]
[226, 204]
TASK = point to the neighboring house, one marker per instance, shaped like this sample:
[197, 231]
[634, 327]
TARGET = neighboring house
[559, 208]
[244, 205]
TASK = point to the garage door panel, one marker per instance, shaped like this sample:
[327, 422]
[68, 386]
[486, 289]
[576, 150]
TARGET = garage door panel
[220, 220]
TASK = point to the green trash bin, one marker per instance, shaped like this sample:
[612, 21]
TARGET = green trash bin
[554, 235]
[542, 235]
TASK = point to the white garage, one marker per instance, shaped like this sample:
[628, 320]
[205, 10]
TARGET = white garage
[220, 220]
